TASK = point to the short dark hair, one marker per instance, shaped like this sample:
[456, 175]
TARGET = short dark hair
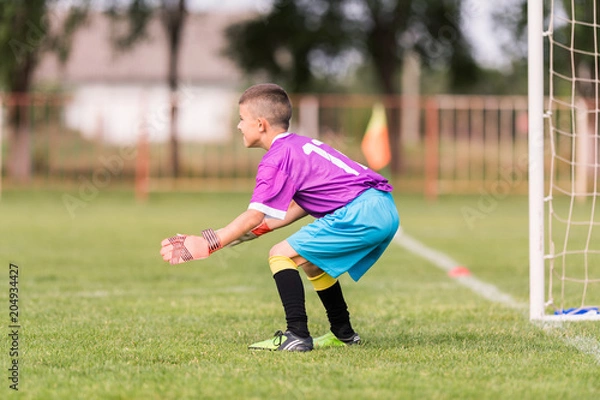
[269, 101]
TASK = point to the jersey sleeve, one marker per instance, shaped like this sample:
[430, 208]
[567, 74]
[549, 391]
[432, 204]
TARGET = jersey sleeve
[273, 192]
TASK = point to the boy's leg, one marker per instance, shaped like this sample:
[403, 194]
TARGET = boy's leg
[329, 291]
[291, 292]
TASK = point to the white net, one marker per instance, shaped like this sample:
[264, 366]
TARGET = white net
[572, 161]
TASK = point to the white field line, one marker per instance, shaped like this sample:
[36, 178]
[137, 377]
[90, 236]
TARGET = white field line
[447, 264]
[492, 293]
[585, 345]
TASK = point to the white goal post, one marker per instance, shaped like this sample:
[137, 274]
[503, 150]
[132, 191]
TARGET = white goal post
[535, 88]
[564, 166]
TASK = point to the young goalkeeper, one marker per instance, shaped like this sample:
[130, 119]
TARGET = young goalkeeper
[356, 219]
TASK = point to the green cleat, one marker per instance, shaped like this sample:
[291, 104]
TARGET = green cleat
[284, 342]
[330, 340]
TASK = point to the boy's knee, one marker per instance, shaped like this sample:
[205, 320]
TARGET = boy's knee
[282, 249]
[274, 251]
[280, 263]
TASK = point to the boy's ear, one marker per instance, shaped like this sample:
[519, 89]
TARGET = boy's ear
[263, 124]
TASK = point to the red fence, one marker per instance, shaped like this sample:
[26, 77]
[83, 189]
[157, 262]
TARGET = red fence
[449, 144]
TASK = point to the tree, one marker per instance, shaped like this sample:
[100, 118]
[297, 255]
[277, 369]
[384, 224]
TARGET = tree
[296, 38]
[172, 13]
[282, 42]
[25, 34]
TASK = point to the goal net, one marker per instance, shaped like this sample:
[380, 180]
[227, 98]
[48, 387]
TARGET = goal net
[564, 43]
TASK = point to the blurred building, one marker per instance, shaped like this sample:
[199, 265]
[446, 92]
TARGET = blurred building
[113, 92]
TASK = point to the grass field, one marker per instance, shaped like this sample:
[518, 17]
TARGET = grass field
[103, 317]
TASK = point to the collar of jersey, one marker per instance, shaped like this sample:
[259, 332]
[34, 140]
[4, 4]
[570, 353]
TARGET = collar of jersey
[280, 136]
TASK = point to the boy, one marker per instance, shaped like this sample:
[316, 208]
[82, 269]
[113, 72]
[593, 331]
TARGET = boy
[356, 219]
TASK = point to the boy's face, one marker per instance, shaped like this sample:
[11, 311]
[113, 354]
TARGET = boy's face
[250, 126]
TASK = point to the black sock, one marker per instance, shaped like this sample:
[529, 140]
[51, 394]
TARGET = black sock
[337, 310]
[291, 291]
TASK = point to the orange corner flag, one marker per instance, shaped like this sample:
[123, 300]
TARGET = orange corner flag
[375, 144]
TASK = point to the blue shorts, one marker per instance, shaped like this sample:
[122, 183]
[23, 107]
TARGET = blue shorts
[352, 238]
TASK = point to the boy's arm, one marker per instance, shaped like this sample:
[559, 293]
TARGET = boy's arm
[294, 213]
[245, 222]
[182, 248]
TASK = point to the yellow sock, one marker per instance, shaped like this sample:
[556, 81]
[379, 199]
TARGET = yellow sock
[279, 263]
[323, 281]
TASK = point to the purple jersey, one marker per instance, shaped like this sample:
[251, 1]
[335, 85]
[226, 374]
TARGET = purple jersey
[319, 178]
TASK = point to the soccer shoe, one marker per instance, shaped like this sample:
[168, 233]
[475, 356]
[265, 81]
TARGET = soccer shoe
[284, 341]
[330, 340]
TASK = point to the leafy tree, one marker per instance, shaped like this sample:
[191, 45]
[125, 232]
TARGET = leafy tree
[172, 13]
[25, 34]
[298, 37]
[282, 42]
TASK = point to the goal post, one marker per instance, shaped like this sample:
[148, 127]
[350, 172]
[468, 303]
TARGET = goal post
[564, 166]
[535, 87]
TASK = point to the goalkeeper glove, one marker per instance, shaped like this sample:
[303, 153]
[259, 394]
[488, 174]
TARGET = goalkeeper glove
[253, 234]
[183, 248]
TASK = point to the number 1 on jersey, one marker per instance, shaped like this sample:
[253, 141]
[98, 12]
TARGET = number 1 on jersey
[313, 147]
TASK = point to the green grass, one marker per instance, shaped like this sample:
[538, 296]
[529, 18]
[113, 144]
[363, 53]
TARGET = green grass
[103, 317]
